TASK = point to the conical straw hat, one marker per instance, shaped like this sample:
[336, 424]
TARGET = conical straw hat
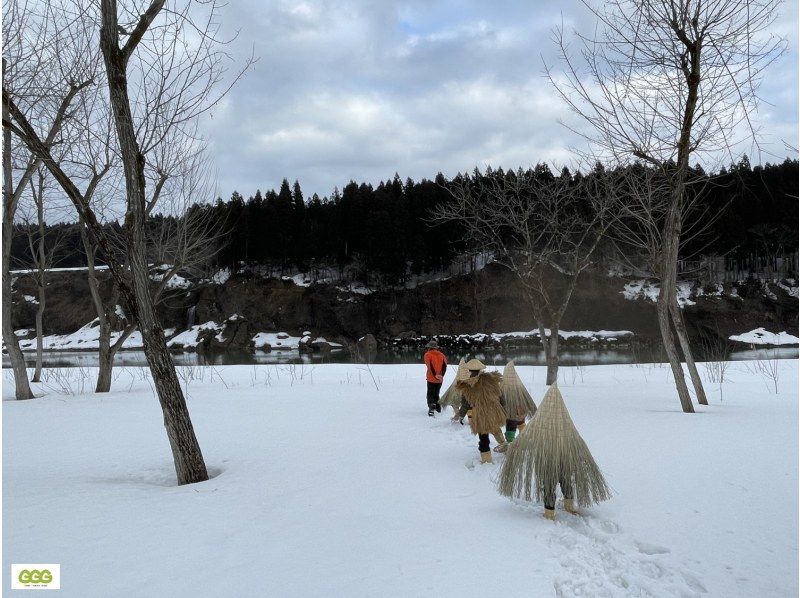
[452, 396]
[475, 365]
[463, 371]
[550, 449]
[516, 398]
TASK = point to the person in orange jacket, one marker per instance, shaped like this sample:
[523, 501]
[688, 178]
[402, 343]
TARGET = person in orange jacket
[435, 367]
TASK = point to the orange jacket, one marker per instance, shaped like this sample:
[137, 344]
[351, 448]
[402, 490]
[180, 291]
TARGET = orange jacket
[436, 363]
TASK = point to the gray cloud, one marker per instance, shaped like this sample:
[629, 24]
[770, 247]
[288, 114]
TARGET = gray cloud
[360, 90]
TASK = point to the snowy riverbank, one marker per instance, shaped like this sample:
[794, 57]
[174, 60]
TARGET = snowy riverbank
[325, 486]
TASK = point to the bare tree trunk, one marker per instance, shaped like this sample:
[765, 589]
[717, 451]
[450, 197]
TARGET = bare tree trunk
[106, 359]
[188, 458]
[672, 356]
[23, 388]
[475, 297]
[550, 347]
[37, 372]
[107, 353]
[683, 339]
[667, 296]
[672, 231]
[40, 287]
[552, 356]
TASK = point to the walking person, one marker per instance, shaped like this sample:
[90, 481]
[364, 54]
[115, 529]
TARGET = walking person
[548, 454]
[452, 396]
[516, 400]
[435, 367]
[481, 393]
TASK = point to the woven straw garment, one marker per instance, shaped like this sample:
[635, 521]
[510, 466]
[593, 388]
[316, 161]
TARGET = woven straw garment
[483, 395]
[549, 450]
[516, 398]
[452, 396]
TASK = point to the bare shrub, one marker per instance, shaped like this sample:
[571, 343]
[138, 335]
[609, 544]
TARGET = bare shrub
[768, 369]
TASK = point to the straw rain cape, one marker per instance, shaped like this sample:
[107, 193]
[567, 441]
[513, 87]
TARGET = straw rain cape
[482, 392]
[547, 451]
[452, 396]
[516, 398]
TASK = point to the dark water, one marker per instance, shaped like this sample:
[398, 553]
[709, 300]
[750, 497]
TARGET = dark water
[522, 357]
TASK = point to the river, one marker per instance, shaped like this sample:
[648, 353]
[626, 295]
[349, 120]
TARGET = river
[523, 357]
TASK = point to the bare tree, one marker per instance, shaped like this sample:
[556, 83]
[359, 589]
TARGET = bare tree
[30, 41]
[190, 54]
[177, 173]
[642, 204]
[108, 316]
[665, 81]
[717, 350]
[10, 202]
[188, 458]
[543, 229]
[43, 247]
[184, 240]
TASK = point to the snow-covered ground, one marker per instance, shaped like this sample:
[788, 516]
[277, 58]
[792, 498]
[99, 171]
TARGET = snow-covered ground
[644, 289]
[528, 335]
[325, 486]
[566, 334]
[279, 341]
[189, 338]
[86, 338]
[760, 336]
[75, 269]
[649, 290]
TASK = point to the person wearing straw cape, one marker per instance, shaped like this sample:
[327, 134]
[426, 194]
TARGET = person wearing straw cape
[516, 400]
[548, 453]
[452, 397]
[481, 393]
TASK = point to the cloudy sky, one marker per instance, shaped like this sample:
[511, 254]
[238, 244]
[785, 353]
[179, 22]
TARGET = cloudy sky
[360, 90]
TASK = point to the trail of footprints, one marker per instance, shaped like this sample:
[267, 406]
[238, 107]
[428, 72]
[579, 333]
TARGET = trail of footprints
[598, 560]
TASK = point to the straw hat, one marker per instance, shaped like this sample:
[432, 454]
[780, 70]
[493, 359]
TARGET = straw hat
[473, 365]
[432, 345]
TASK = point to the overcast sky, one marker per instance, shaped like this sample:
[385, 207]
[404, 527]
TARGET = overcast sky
[360, 90]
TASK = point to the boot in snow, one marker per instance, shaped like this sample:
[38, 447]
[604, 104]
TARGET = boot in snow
[569, 506]
[501, 448]
[550, 514]
[486, 457]
[502, 445]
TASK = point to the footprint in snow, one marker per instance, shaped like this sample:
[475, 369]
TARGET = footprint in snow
[596, 559]
[609, 527]
[651, 549]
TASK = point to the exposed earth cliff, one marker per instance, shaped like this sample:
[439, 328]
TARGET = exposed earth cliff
[247, 311]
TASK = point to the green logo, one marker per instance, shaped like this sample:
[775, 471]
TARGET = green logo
[35, 576]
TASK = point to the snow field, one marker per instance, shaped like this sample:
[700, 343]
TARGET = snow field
[324, 486]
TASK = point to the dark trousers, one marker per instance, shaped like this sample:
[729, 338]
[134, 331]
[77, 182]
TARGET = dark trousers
[550, 493]
[433, 393]
[483, 443]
